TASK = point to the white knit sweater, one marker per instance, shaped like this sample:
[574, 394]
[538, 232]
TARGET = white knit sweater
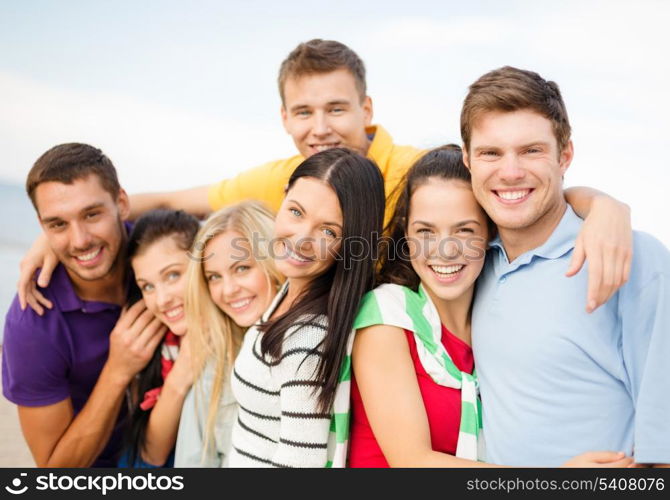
[278, 423]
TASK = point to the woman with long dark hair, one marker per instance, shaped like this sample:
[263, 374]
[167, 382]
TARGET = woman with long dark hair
[287, 374]
[158, 253]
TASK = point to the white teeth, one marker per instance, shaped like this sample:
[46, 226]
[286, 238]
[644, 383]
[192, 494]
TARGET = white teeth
[513, 195]
[295, 256]
[323, 147]
[89, 256]
[447, 269]
[241, 303]
[173, 313]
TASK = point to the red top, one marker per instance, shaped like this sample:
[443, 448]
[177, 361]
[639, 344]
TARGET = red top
[443, 407]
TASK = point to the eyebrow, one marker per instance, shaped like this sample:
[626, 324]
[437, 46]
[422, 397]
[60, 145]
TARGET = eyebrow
[47, 220]
[338, 101]
[168, 267]
[299, 107]
[459, 224]
[139, 278]
[237, 262]
[535, 143]
[466, 222]
[324, 222]
[423, 223]
[479, 149]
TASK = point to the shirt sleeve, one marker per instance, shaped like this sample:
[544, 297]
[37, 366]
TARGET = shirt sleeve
[190, 437]
[645, 314]
[303, 433]
[193, 421]
[34, 370]
[265, 183]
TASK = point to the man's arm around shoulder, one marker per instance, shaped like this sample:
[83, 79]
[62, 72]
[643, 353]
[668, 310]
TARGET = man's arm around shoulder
[265, 183]
[192, 200]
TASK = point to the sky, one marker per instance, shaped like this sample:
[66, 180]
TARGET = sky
[181, 93]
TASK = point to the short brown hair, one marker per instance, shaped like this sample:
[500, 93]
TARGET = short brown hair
[322, 56]
[510, 89]
[67, 163]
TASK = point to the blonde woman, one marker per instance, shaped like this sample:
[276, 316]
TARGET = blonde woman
[232, 280]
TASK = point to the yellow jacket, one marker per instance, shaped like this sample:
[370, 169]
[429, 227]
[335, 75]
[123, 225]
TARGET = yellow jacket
[267, 182]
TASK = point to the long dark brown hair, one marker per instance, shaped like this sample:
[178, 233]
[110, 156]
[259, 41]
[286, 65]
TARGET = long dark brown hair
[148, 229]
[337, 293]
[446, 163]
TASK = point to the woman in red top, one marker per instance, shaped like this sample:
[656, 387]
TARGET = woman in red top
[442, 406]
[401, 417]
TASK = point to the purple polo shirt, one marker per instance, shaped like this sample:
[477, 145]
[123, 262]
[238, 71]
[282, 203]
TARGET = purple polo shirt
[46, 359]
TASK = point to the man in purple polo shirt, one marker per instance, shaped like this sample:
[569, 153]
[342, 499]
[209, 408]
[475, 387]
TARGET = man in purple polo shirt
[68, 370]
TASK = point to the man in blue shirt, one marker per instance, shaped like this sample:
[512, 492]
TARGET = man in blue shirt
[555, 380]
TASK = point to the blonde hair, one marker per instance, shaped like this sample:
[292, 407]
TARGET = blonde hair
[213, 335]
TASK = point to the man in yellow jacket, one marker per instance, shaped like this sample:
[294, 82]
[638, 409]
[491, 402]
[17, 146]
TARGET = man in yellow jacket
[324, 105]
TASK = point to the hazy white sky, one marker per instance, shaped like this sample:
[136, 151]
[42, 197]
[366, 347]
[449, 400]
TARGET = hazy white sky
[184, 93]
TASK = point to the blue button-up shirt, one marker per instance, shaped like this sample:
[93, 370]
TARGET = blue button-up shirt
[557, 381]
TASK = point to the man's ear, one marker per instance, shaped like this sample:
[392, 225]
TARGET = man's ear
[367, 110]
[284, 117]
[565, 158]
[466, 157]
[123, 204]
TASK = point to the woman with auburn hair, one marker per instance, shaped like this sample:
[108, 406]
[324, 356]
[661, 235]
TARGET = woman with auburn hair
[231, 279]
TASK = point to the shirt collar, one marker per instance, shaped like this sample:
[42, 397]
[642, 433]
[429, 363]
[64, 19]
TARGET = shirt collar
[67, 298]
[64, 291]
[561, 241]
[380, 147]
[275, 302]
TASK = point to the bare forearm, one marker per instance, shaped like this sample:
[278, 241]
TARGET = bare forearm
[193, 201]
[143, 202]
[581, 199]
[89, 432]
[161, 433]
[431, 458]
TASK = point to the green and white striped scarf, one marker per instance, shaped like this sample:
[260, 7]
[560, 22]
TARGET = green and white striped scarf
[338, 439]
[399, 306]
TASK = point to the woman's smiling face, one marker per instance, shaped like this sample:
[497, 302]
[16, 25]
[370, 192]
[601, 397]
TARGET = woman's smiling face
[159, 273]
[308, 230]
[237, 283]
[447, 236]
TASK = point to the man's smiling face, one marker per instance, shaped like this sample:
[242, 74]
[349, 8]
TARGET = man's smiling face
[325, 110]
[517, 169]
[83, 225]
